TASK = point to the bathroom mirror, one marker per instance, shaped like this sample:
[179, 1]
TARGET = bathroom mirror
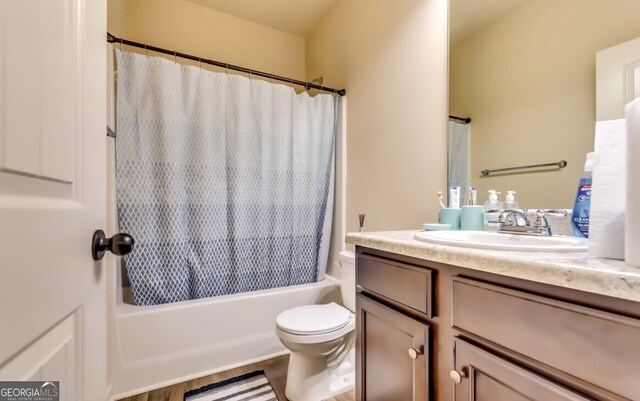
[524, 71]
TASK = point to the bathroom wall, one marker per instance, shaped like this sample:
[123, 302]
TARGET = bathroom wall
[198, 30]
[528, 82]
[392, 59]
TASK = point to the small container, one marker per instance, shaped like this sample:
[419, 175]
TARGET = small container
[436, 227]
[451, 215]
[472, 218]
[454, 197]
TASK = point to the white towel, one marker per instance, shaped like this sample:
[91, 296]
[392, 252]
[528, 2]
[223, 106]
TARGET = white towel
[608, 197]
[632, 236]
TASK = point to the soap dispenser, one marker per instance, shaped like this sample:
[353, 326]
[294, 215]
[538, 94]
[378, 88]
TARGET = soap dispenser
[492, 209]
[510, 201]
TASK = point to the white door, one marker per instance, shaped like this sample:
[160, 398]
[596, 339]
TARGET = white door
[52, 194]
[617, 79]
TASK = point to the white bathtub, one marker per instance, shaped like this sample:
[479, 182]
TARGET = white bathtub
[155, 346]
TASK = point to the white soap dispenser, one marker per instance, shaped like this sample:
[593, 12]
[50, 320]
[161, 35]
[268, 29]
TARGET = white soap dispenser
[510, 201]
[492, 209]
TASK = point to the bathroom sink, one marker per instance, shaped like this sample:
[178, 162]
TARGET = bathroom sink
[503, 242]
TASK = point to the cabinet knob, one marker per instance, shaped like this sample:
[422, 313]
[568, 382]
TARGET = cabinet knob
[457, 376]
[414, 353]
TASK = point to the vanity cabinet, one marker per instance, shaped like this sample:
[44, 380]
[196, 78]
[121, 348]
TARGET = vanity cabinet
[482, 376]
[393, 343]
[599, 347]
[393, 354]
[478, 336]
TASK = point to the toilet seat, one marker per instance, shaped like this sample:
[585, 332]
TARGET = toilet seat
[298, 324]
[313, 319]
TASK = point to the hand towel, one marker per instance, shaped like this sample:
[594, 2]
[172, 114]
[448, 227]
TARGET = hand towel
[632, 236]
[608, 197]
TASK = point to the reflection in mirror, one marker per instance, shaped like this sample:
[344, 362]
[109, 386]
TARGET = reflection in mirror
[525, 72]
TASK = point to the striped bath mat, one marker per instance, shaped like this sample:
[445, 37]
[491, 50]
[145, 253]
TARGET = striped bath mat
[253, 386]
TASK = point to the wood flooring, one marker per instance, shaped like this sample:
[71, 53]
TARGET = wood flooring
[275, 370]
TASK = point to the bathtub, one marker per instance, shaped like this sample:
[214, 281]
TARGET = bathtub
[159, 345]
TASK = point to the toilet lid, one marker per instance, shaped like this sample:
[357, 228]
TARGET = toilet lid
[313, 319]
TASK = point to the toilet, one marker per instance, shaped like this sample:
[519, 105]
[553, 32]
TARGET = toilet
[321, 339]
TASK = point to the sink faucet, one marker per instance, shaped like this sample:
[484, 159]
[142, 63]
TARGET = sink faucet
[517, 222]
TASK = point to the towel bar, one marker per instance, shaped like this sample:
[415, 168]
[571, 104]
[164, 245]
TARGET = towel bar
[560, 164]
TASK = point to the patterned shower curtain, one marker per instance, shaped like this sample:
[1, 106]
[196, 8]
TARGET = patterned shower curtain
[226, 183]
[459, 164]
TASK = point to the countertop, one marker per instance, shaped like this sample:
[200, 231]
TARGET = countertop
[570, 270]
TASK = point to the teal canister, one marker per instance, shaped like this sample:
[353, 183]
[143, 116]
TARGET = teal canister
[451, 215]
[472, 218]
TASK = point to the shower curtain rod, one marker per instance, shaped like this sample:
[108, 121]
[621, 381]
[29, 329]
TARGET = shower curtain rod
[307, 85]
[465, 120]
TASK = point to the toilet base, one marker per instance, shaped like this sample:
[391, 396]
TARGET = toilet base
[316, 377]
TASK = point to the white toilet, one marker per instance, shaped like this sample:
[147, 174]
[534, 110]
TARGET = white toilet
[321, 339]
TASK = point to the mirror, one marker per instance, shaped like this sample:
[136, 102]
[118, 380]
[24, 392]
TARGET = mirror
[524, 71]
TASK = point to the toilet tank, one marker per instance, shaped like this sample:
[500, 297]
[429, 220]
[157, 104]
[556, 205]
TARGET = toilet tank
[348, 279]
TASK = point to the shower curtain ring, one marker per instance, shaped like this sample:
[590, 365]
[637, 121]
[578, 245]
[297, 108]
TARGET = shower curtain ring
[226, 69]
[175, 57]
[200, 62]
[250, 73]
[270, 78]
[120, 44]
[145, 50]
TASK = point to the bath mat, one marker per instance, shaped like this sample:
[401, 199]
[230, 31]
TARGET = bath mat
[252, 386]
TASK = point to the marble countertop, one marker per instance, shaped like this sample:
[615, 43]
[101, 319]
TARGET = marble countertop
[570, 270]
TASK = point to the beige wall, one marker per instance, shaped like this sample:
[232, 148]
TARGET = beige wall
[528, 82]
[392, 59]
[194, 29]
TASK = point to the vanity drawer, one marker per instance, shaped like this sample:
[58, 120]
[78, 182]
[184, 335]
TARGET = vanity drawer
[401, 283]
[598, 347]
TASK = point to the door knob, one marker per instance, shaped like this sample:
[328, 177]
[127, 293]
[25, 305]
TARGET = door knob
[414, 353]
[120, 244]
[456, 376]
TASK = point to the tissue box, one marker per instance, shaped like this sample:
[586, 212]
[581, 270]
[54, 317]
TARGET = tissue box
[608, 197]
[632, 236]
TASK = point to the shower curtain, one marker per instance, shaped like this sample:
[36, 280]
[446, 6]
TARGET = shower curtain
[226, 183]
[459, 166]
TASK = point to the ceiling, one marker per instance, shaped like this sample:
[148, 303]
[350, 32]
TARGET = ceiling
[297, 17]
[468, 16]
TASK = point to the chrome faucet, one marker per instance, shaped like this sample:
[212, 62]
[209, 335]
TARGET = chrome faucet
[517, 222]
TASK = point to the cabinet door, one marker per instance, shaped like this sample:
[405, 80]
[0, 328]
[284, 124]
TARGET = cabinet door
[482, 376]
[393, 358]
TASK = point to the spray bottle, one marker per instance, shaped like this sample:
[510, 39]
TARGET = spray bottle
[582, 204]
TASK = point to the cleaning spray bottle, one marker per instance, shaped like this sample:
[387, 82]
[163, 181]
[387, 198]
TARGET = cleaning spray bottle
[580, 219]
[492, 209]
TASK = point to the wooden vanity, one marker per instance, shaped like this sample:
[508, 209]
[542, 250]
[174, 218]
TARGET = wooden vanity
[433, 331]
